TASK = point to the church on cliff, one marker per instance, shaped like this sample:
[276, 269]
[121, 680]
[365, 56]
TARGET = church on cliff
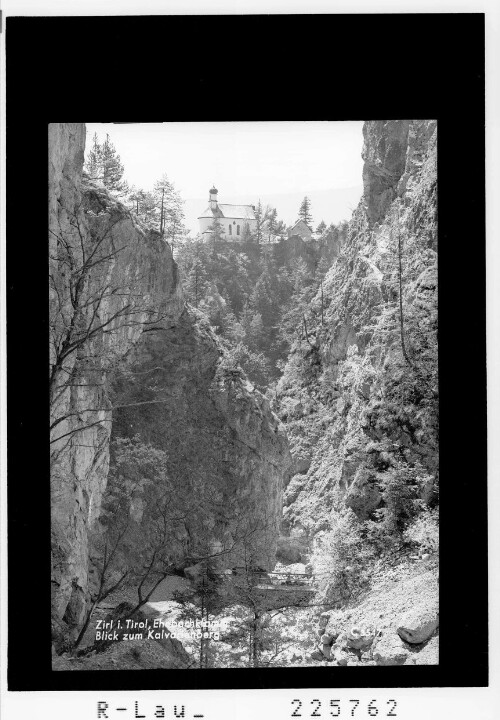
[232, 218]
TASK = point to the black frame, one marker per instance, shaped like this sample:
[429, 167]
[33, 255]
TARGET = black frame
[340, 67]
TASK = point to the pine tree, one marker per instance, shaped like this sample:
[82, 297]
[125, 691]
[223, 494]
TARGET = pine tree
[216, 231]
[272, 222]
[147, 207]
[93, 161]
[169, 211]
[259, 217]
[246, 233]
[256, 332]
[321, 227]
[111, 167]
[305, 212]
[103, 164]
[192, 264]
[280, 229]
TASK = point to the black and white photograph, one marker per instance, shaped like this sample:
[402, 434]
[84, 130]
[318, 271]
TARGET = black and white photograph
[244, 394]
[245, 417]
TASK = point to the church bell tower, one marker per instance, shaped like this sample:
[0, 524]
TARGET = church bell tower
[212, 200]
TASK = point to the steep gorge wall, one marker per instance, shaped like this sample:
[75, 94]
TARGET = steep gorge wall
[218, 431]
[116, 309]
[362, 393]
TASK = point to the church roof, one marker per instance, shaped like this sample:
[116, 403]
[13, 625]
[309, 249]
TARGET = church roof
[209, 213]
[238, 212]
[234, 212]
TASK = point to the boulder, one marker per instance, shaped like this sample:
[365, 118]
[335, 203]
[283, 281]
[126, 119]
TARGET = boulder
[341, 657]
[363, 495]
[390, 650]
[327, 639]
[323, 619]
[419, 623]
[301, 464]
[327, 652]
[359, 640]
[317, 655]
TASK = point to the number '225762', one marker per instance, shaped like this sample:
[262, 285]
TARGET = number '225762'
[345, 709]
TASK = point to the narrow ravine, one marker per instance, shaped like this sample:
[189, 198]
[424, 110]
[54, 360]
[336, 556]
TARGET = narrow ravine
[244, 439]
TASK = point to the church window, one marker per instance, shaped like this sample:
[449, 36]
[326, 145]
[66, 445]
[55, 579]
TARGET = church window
[237, 229]
[230, 229]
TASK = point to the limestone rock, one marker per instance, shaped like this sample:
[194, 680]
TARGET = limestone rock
[327, 651]
[419, 623]
[323, 619]
[317, 655]
[389, 650]
[341, 657]
[399, 193]
[359, 640]
[86, 216]
[327, 639]
[302, 463]
[363, 496]
[384, 155]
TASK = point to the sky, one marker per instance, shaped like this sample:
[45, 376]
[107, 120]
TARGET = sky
[276, 162]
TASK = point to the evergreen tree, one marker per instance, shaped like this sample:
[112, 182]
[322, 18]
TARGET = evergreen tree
[216, 231]
[169, 211]
[305, 212]
[201, 604]
[321, 227]
[256, 332]
[272, 222]
[112, 168]
[280, 230]
[149, 208]
[246, 233]
[103, 164]
[192, 264]
[259, 217]
[93, 161]
[133, 199]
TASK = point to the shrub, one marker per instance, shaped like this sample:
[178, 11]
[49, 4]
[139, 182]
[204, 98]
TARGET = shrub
[424, 531]
[342, 559]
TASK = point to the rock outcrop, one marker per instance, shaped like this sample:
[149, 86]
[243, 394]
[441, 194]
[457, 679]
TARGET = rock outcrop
[395, 623]
[218, 431]
[96, 275]
[116, 309]
[367, 383]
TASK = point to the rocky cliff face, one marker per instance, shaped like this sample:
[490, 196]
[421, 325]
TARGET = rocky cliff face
[224, 445]
[116, 308]
[363, 391]
[327, 248]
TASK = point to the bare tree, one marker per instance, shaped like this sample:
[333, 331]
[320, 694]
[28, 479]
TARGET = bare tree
[90, 304]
